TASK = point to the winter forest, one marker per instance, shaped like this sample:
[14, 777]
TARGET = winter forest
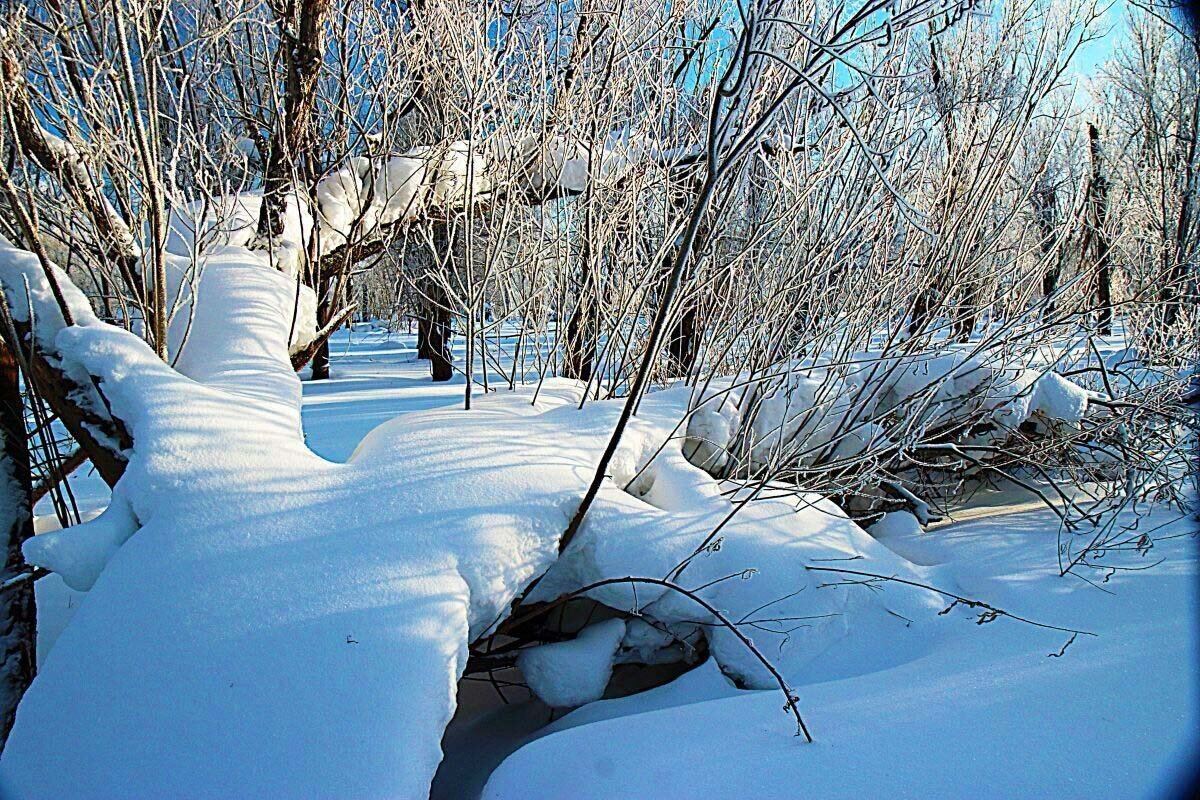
[520, 399]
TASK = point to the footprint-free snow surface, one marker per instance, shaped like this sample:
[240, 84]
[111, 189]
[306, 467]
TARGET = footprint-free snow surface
[990, 711]
[264, 621]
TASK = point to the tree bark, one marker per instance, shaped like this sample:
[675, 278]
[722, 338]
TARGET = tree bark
[440, 337]
[966, 316]
[103, 437]
[579, 351]
[440, 331]
[424, 350]
[1101, 247]
[683, 339]
[18, 612]
[683, 342]
[320, 362]
[1045, 214]
[290, 162]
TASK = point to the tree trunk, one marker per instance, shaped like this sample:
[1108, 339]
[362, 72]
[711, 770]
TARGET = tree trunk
[966, 316]
[922, 310]
[320, 362]
[1177, 283]
[302, 45]
[1098, 214]
[579, 350]
[1045, 213]
[424, 350]
[580, 354]
[683, 340]
[441, 362]
[1176, 279]
[435, 330]
[18, 613]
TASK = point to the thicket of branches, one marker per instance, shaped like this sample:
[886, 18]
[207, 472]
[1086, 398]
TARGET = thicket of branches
[765, 201]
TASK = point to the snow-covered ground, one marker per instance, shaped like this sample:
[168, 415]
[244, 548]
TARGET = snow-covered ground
[376, 377]
[916, 705]
[984, 711]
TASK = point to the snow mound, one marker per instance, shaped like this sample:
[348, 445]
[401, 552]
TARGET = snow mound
[805, 412]
[252, 600]
[987, 711]
[569, 674]
[263, 622]
[277, 625]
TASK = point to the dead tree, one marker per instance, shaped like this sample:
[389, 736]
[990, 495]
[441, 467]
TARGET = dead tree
[1045, 214]
[1096, 236]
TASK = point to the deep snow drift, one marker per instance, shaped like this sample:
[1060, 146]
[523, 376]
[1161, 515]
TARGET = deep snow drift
[263, 621]
[306, 620]
[994, 711]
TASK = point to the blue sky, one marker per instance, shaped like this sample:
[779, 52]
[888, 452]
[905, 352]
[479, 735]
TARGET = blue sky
[1093, 56]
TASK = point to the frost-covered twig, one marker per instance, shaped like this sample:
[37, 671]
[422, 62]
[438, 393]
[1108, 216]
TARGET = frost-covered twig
[990, 612]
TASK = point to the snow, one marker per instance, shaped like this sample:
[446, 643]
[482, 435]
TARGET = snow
[235, 588]
[362, 195]
[900, 532]
[79, 554]
[990, 711]
[809, 411]
[568, 674]
[754, 574]
[32, 303]
[278, 598]
[308, 618]
[971, 379]
[31, 297]
[552, 162]
[243, 610]
[203, 226]
[1056, 398]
